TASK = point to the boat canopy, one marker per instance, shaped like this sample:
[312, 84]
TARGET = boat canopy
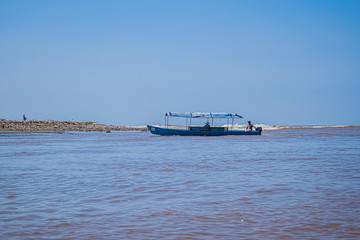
[202, 115]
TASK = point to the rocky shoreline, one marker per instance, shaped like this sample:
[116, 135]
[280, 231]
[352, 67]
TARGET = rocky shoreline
[35, 126]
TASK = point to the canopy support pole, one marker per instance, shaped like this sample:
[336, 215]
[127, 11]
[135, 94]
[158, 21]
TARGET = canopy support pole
[166, 121]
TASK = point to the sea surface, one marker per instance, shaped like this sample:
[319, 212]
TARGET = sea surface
[285, 184]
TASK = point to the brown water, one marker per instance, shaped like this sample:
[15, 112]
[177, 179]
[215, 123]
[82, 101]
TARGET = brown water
[286, 184]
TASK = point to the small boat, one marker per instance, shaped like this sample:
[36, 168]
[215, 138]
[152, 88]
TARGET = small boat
[207, 130]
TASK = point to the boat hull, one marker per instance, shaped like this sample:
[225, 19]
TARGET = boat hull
[197, 132]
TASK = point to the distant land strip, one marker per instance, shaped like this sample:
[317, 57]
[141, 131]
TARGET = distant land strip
[51, 126]
[35, 126]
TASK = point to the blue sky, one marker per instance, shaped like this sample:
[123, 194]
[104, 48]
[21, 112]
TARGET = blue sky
[129, 62]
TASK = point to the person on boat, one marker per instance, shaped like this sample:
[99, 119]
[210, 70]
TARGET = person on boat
[250, 126]
[207, 126]
[24, 118]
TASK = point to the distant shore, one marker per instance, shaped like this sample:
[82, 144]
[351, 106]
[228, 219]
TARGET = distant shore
[51, 126]
[35, 126]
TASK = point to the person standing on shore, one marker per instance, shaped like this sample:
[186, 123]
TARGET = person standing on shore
[24, 118]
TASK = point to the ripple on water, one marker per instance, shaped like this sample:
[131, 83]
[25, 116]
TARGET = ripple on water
[300, 184]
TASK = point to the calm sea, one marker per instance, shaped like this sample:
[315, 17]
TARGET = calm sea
[285, 184]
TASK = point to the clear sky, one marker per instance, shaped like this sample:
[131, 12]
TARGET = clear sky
[128, 62]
